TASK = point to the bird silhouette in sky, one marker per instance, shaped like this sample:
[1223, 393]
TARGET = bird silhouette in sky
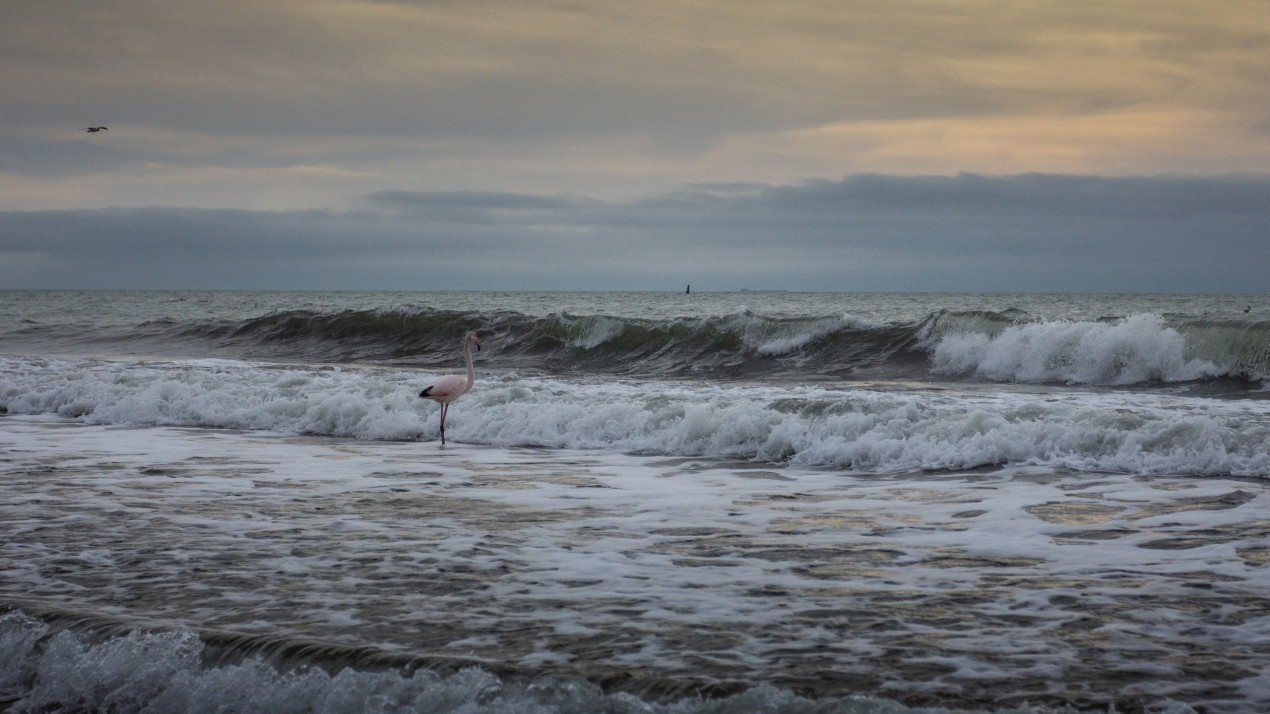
[95, 129]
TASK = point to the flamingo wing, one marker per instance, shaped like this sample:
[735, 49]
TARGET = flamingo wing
[445, 389]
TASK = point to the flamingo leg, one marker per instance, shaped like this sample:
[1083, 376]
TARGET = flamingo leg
[444, 408]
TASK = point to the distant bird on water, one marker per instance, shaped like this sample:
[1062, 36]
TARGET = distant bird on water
[452, 386]
[95, 129]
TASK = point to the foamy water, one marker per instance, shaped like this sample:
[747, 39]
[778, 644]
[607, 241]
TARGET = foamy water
[660, 577]
[236, 502]
[858, 429]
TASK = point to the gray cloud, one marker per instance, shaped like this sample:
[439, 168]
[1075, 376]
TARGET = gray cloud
[54, 159]
[682, 77]
[479, 200]
[966, 233]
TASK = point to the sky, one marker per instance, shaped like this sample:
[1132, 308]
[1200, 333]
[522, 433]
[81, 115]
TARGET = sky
[941, 145]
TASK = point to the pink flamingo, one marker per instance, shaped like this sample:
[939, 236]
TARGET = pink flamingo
[452, 386]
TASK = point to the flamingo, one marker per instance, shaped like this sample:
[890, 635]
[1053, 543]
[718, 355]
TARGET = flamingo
[452, 386]
[95, 129]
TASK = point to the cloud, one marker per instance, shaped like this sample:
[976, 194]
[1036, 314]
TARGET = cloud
[67, 157]
[611, 99]
[479, 200]
[869, 232]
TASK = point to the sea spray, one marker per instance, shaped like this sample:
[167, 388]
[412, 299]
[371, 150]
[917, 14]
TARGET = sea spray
[1136, 350]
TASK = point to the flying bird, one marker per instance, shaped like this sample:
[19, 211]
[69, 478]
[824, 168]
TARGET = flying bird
[452, 386]
[95, 129]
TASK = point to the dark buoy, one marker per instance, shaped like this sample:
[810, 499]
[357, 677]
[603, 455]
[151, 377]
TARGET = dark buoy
[688, 290]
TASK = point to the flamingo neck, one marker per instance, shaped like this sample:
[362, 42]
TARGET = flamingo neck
[467, 357]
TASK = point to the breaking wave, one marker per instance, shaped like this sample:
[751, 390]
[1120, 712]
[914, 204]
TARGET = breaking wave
[1133, 351]
[1003, 346]
[855, 429]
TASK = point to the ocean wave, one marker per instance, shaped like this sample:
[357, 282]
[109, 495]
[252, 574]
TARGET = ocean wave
[739, 345]
[997, 346]
[1138, 349]
[853, 429]
[1134, 350]
[51, 667]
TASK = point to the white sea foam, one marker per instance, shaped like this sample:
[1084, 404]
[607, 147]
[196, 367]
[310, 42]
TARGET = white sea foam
[1137, 349]
[163, 672]
[854, 429]
[327, 541]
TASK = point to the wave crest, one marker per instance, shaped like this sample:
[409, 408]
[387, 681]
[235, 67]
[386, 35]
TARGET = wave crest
[1135, 350]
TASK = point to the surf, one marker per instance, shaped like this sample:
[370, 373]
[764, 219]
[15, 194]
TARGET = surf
[854, 428]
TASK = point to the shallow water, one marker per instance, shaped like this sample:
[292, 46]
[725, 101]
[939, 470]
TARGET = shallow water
[661, 577]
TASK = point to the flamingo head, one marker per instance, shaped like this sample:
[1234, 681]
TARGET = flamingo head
[471, 337]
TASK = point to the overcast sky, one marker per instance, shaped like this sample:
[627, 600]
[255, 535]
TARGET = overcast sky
[845, 145]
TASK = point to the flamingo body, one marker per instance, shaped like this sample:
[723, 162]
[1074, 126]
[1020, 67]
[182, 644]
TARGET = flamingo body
[444, 390]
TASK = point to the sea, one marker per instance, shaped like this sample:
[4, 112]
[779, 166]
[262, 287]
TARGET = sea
[648, 502]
